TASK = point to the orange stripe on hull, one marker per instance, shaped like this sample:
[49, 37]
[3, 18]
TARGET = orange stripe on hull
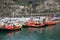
[51, 22]
[34, 24]
[31, 23]
[9, 27]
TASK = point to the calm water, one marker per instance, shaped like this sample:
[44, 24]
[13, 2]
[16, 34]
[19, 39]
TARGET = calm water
[48, 33]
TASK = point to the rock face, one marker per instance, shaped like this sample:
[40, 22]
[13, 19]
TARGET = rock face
[7, 7]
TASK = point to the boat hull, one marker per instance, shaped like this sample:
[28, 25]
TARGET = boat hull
[4, 29]
[37, 26]
[50, 23]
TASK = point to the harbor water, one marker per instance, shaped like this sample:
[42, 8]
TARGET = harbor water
[48, 33]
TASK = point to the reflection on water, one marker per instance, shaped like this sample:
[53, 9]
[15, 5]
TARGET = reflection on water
[49, 29]
[12, 33]
[36, 29]
[48, 33]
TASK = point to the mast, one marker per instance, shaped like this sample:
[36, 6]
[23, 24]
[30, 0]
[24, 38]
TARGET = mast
[31, 6]
[30, 2]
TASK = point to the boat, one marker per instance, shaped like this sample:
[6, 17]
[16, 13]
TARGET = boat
[10, 26]
[51, 23]
[34, 22]
[50, 20]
